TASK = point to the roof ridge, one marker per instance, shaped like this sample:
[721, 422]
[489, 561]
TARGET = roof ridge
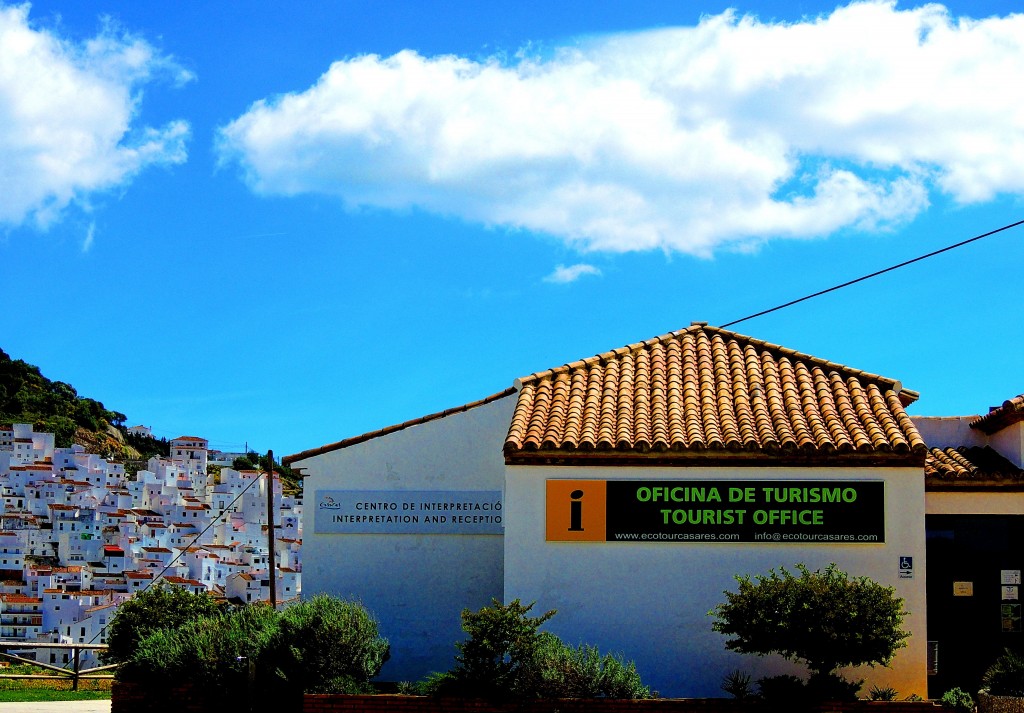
[1010, 411]
[895, 384]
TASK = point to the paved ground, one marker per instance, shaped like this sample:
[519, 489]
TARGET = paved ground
[57, 707]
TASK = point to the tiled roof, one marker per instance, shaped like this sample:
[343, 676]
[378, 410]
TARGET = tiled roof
[704, 392]
[998, 418]
[970, 467]
[182, 580]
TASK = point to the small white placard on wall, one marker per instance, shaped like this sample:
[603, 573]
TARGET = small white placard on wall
[408, 512]
[1010, 592]
[1009, 576]
[963, 589]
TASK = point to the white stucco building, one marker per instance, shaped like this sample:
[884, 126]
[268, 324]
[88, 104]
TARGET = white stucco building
[78, 536]
[627, 490]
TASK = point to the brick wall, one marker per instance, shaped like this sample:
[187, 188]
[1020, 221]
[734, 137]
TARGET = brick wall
[417, 704]
[131, 697]
[127, 697]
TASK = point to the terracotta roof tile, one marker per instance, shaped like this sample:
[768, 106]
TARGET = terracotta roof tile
[970, 467]
[1000, 417]
[705, 390]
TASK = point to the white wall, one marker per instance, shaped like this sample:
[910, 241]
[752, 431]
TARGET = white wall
[416, 585]
[1010, 443]
[650, 600]
[949, 431]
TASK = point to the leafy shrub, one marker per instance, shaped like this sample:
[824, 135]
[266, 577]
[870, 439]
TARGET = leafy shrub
[582, 672]
[438, 683]
[506, 656]
[321, 645]
[326, 645]
[958, 700]
[781, 690]
[213, 652]
[826, 619]
[1005, 677]
[159, 607]
[832, 687]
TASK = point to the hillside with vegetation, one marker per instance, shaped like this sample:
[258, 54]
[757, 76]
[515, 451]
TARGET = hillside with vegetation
[26, 396]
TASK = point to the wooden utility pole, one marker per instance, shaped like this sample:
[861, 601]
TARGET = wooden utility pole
[271, 565]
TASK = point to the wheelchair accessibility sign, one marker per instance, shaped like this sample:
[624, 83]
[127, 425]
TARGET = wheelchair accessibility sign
[906, 567]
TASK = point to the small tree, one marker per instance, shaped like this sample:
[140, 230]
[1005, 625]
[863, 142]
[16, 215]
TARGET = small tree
[496, 660]
[159, 607]
[243, 463]
[826, 619]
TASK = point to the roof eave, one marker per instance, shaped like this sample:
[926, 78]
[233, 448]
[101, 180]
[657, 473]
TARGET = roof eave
[715, 459]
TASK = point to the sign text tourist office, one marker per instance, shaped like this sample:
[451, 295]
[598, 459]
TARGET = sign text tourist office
[715, 511]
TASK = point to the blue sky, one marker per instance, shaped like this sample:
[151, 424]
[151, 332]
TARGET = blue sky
[285, 224]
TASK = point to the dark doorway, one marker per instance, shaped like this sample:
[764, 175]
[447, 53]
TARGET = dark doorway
[972, 616]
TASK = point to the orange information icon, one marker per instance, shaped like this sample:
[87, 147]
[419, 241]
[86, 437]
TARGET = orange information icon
[575, 510]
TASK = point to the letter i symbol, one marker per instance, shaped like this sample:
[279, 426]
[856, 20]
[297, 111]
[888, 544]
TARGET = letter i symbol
[576, 512]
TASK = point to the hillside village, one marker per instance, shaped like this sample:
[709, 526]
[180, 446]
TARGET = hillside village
[78, 536]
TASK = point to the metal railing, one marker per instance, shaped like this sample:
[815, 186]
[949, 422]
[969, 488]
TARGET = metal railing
[75, 673]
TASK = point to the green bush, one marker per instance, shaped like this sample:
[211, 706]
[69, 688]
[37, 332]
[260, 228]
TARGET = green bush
[832, 687]
[824, 618]
[582, 672]
[159, 607]
[782, 690]
[792, 692]
[213, 652]
[318, 646]
[1005, 677]
[326, 645]
[506, 656]
[958, 700]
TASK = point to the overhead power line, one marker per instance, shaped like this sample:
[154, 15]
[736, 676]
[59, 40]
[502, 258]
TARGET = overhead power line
[874, 274]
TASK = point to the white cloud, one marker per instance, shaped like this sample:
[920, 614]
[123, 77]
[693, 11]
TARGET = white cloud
[66, 117]
[563, 275]
[90, 236]
[683, 139]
